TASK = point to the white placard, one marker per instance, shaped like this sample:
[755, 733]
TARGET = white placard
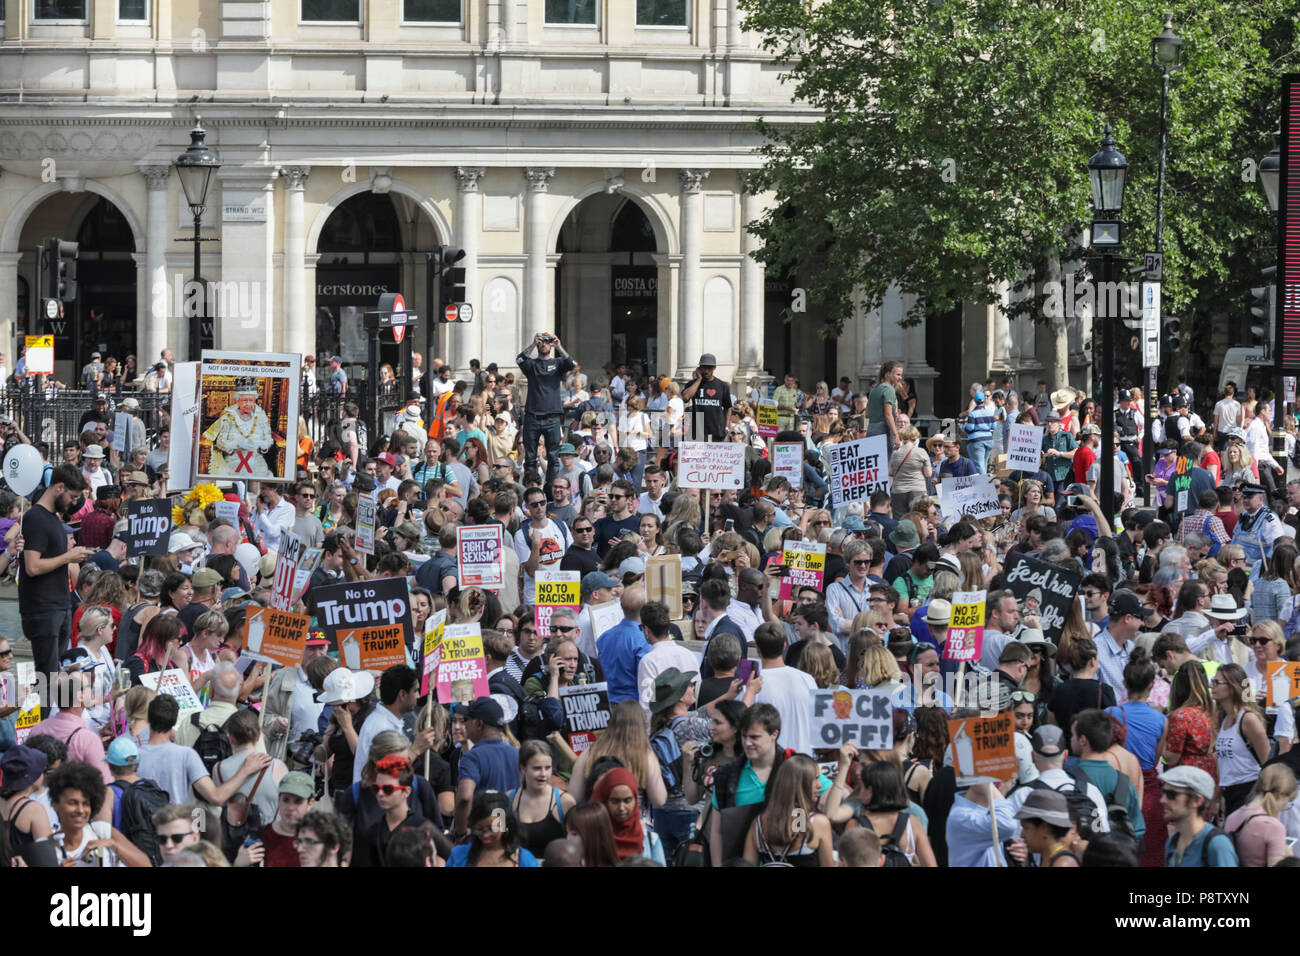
[121, 431]
[787, 462]
[858, 469]
[1025, 448]
[185, 422]
[175, 684]
[971, 496]
[711, 464]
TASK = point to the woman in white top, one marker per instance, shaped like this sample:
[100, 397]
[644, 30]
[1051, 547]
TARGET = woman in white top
[636, 430]
[1241, 740]
[77, 793]
[672, 422]
[1268, 644]
[244, 731]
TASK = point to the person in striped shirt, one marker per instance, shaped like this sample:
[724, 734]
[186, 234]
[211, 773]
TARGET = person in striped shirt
[979, 428]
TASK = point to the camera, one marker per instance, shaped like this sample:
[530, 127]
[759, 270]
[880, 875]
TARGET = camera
[302, 750]
[1240, 629]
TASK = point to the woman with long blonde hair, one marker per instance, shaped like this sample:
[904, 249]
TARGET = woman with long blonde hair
[1240, 734]
[1259, 836]
[627, 740]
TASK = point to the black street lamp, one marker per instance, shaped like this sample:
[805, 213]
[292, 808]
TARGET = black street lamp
[1166, 56]
[1107, 172]
[196, 167]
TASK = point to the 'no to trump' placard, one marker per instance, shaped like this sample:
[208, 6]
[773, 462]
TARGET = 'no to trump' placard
[983, 749]
[858, 469]
[148, 526]
[807, 563]
[966, 629]
[864, 718]
[479, 562]
[711, 464]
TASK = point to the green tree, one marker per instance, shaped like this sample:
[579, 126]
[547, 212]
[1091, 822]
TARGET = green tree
[951, 151]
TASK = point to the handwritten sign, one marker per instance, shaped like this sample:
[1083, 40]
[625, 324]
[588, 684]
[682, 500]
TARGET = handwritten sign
[174, 683]
[766, 419]
[286, 567]
[586, 713]
[122, 431]
[148, 526]
[366, 504]
[972, 496]
[1042, 590]
[431, 648]
[1024, 447]
[983, 749]
[864, 718]
[807, 563]
[479, 561]
[787, 462]
[966, 630]
[275, 635]
[711, 464]
[372, 648]
[1283, 682]
[858, 469]
[602, 617]
[462, 671]
[227, 511]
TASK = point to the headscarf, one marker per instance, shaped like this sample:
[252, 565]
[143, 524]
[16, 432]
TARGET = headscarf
[629, 838]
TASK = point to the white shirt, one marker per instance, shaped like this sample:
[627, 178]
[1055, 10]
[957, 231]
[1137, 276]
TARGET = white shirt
[270, 523]
[442, 388]
[1258, 441]
[1226, 414]
[304, 714]
[790, 691]
[649, 506]
[659, 658]
[1062, 781]
[747, 618]
[380, 719]
[95, 480]
[550, 553]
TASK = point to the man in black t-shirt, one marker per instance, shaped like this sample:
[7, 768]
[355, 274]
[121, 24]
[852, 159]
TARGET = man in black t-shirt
[710, 398]
[44, 601]
[543, 410]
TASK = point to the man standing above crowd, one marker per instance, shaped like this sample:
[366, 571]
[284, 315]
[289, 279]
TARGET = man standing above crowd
[710, 398]
[544, 410]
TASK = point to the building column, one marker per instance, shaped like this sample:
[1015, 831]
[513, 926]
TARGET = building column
[689, 320]
[871, 340]
[466, 338]
[915, 365]
[151, 325]
[1000, 360]
[733, 24]
[246, 316]
[751, 290]
[9, 299]
[298, 335]
[535, 270]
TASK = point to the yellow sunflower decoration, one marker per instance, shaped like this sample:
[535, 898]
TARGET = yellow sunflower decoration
[191, 508]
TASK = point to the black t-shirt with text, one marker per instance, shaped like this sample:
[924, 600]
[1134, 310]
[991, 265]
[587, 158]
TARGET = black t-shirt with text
[44, 593]
[710, 404]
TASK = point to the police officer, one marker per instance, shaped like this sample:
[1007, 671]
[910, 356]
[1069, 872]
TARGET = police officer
[1257, 528]
[1128, 422]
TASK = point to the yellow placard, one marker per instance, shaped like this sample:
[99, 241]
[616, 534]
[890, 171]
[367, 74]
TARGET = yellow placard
[559, 593]
[967, 615]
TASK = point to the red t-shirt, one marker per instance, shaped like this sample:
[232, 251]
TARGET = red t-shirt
[279, 849]
[1083, 460]
[1210, 463]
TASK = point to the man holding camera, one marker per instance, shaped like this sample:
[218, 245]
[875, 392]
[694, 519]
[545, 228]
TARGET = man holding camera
[544, 409]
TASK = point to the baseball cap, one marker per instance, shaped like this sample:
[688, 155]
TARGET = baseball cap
[298, 784]
[1185, 777]
[1125, 601]
[1048, 740]
[1090, 430]
[336, 358]
[387, 459]
[597, 579]
[206, 578]
[318, 637]
[487, 710]
[123, 752]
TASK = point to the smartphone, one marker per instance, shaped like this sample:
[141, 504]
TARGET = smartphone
[785, 570]
[730, 525]
[1072, 501]
[746, 669]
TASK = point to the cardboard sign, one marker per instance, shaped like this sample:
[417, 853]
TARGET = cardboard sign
[971, 496]
[864, 718]
[711, 464]
[174, 683]
[559, 588]
[602, 617]
[365, 540]
[431, 648]
[479, 561]
[228, 511]
[663, 582]
[787, 462]
[122, 431]
[983, 749]
[766, 419]
[275, 635]
[307, 565]
[372, 648]
[461, 672]
[1043, 590]
[586, 713]
[807, 563]
[40, 357]
[1024, 447]
[858, 469]
[1283, 682]
[148, 526]
[966, 630]
[286, 567]
[380, 602]
[181, 456]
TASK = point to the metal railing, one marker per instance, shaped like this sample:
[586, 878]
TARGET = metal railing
[54, 415]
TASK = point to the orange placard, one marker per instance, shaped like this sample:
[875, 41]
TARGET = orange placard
[1283, 678]
[372, 648]
[983, 747]
[277, 636]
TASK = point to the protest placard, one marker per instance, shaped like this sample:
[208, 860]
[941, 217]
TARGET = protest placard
[1042, 590]
[29, 715]
[274, 635]
[122, 431]
[286, 567]
[227, 511]
[602, 617]
[711, 464]
[805, 562]
[970, 496]
[174, 683]
[766, 419]
[307, 565]
[663, 582]
[554, 590]
[1025, 448]
[965, 641]
[148, 526]
[864, 718]
[586, 713]
[983, 749]
[372, 648]
[461, 671]
[787, 463]
[39, 354]
[378, 602]
[365, 540]
[479, 560]
[246, 399]
[431, 648]
[1283, 682]
[858, 469]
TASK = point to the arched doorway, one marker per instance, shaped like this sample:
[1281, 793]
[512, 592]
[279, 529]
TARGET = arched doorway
[607, 285]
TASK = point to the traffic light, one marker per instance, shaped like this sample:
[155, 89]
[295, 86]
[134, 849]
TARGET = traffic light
[61, 269]
[1260, 312]
[1173, 334]
[451, 280]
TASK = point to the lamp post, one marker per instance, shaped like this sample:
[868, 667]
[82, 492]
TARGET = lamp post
[1166, 56]
[1107, 171]
[1270, 168]
[196, 167]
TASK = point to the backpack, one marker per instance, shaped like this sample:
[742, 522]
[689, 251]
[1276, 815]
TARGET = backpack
[1215, 544]
[664, 744]
[1117, 808]
[128, 632]
[212, 744]
[892, 845]
[133, 810]
[241, 818]
[527, 724]
[1082, 810]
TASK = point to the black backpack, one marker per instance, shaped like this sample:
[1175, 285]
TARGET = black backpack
[135, 806]
[212, 744]
[891, 846]
[1082, 810]
[1117, 808]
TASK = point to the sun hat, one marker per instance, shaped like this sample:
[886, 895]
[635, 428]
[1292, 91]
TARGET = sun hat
[670, 684]
[342, 686]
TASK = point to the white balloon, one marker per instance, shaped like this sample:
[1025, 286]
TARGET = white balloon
[23, 468]
[248, 557]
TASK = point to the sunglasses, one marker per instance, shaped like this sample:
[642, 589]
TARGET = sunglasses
[1022, 696]
[304, 841]
[177, 838]
[860, 564]
[1260, 640]
[388, 789]
[582, 530]
[559, 629]
[1169, 794]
